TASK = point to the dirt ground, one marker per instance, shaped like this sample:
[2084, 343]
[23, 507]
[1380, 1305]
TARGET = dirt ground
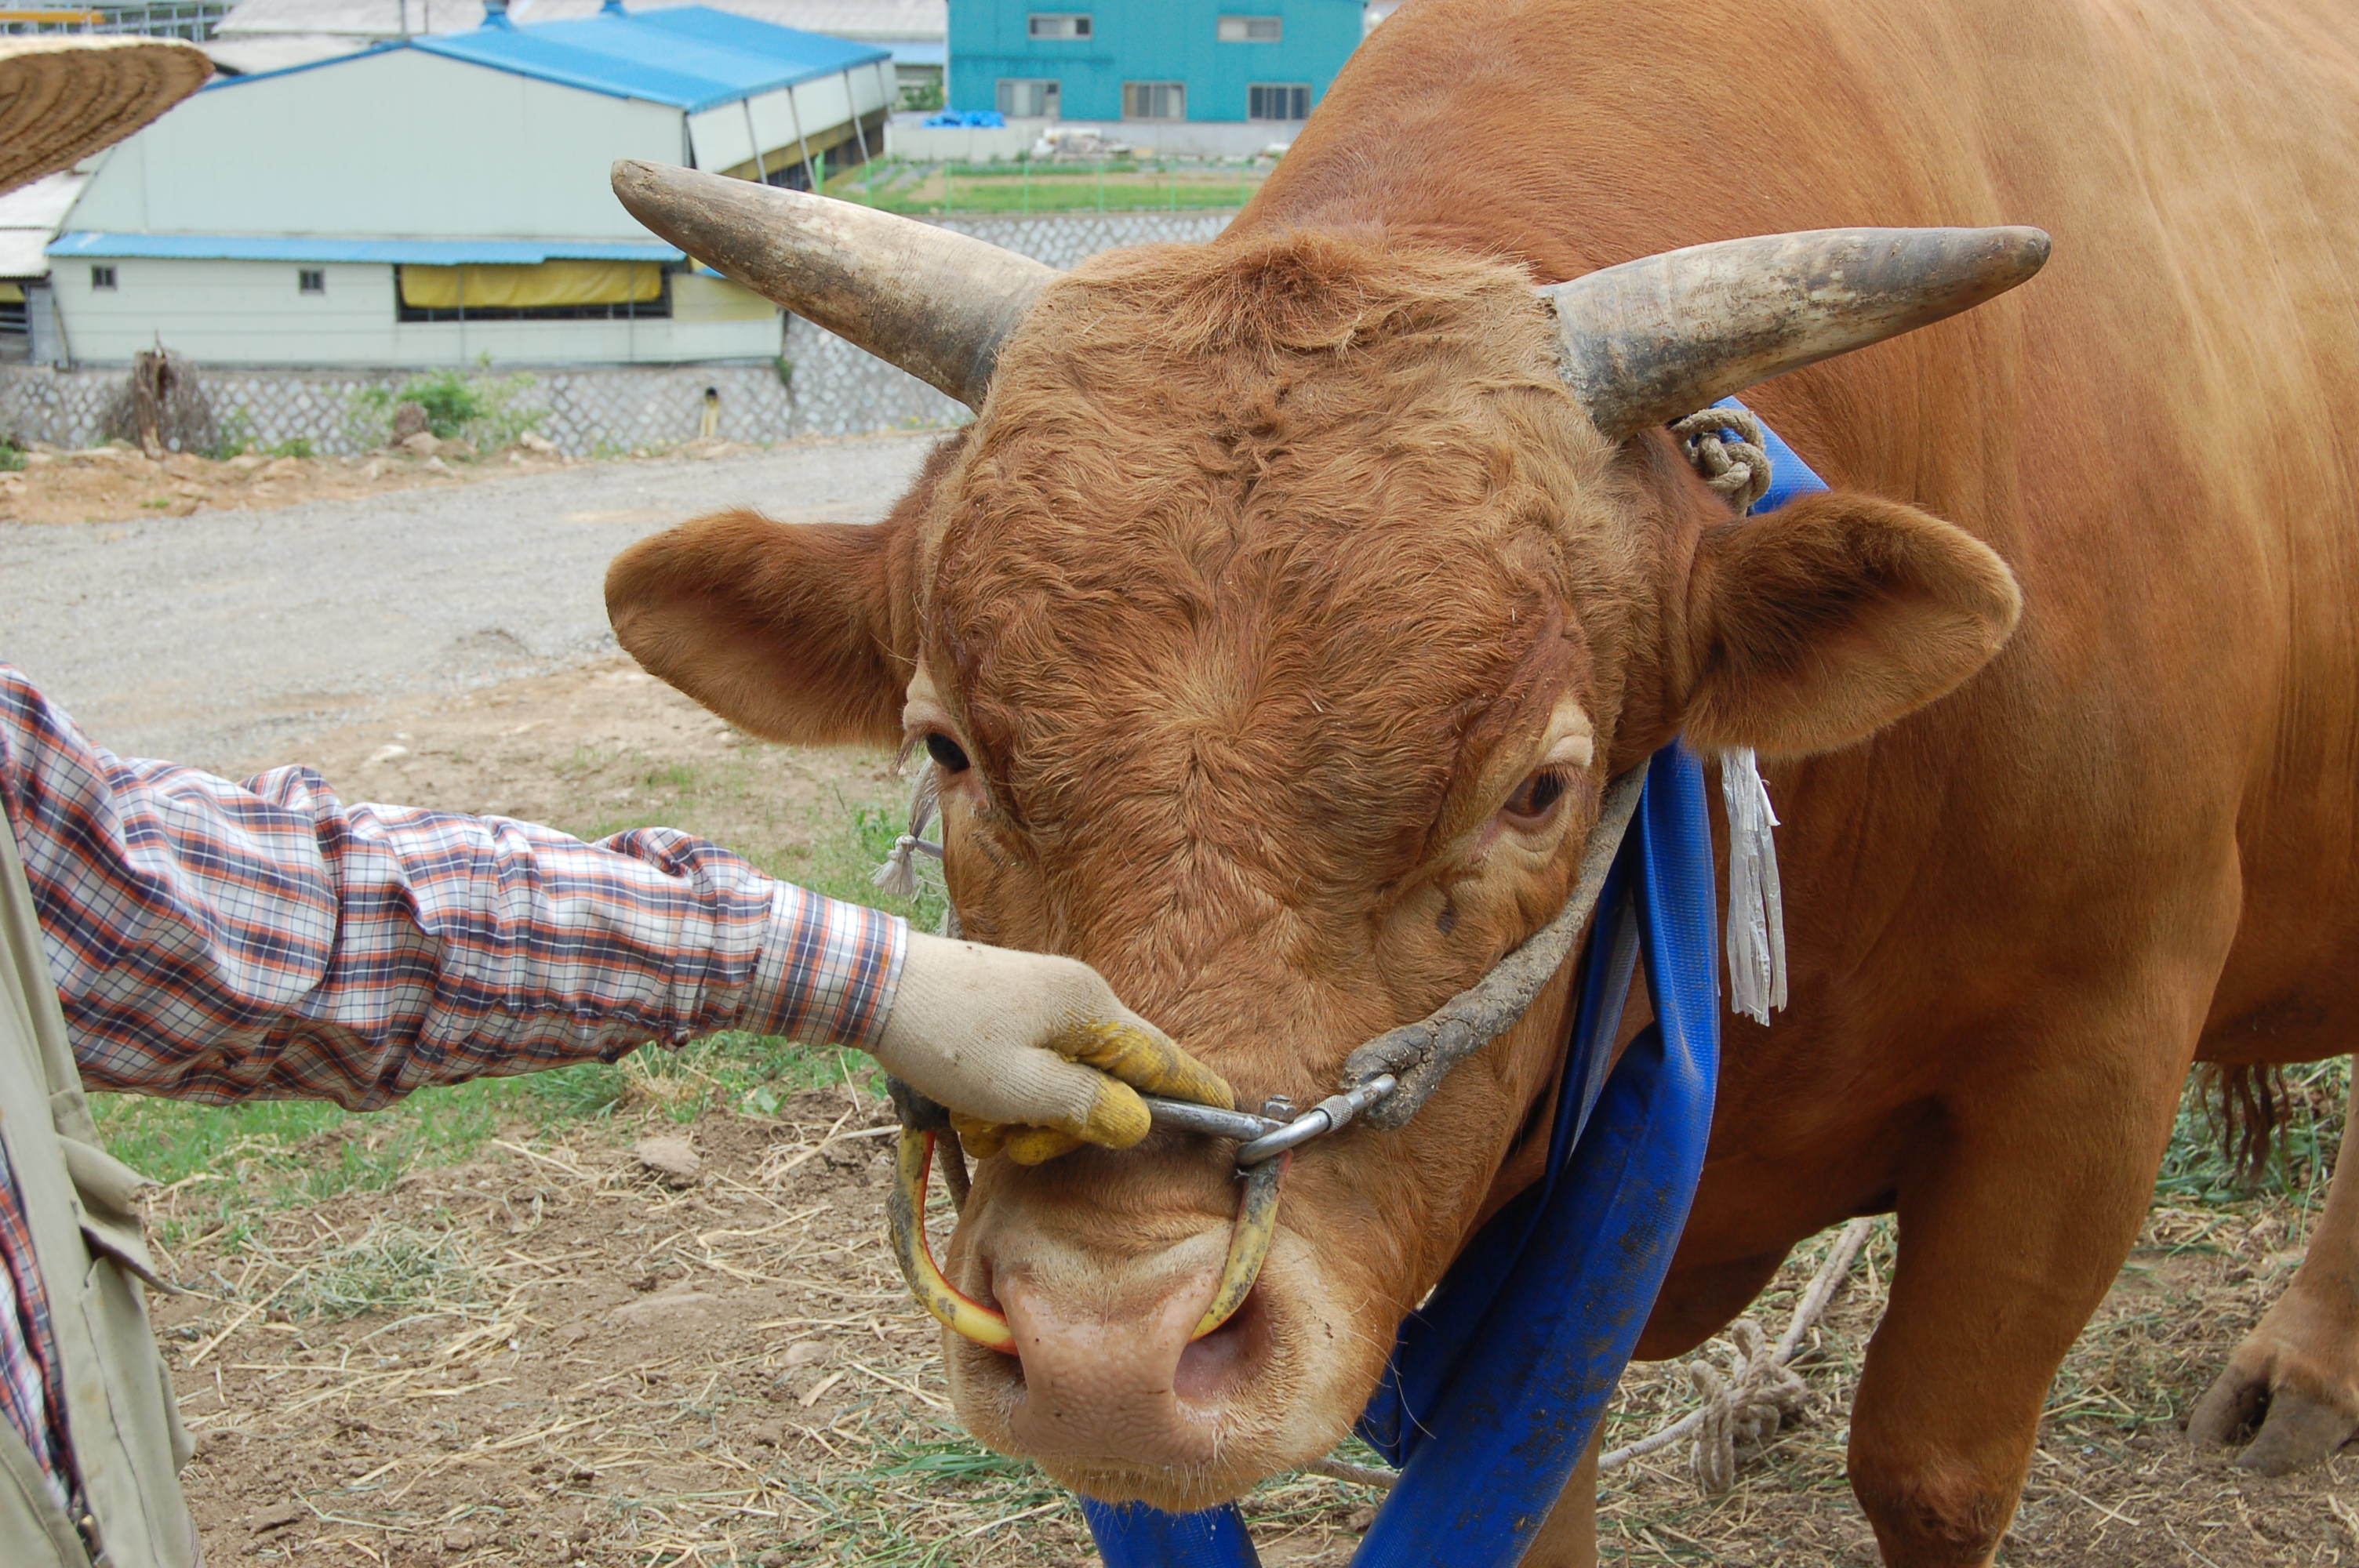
[549, 748]
[550, 1354]
[116, 483]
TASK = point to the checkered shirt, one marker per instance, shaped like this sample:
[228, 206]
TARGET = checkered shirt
[216, 941]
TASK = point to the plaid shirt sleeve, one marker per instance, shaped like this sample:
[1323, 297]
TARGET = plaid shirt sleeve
[214, 940]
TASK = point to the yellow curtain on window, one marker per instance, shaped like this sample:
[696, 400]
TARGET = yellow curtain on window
[538, 287]
[12, 294]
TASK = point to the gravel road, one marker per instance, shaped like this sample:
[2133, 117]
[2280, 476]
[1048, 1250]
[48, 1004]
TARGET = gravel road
[229, 635]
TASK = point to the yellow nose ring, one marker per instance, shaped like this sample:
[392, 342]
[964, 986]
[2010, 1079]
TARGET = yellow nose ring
[1249, 1239]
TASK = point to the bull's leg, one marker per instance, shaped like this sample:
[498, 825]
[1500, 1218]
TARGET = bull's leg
[1569, 1539]
[2301, 1362]
[2011, 1231]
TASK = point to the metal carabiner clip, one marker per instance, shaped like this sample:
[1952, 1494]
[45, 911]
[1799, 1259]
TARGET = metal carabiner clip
[1276, 1130]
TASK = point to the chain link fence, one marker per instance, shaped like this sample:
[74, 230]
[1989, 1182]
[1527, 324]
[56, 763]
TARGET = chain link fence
[823, 387]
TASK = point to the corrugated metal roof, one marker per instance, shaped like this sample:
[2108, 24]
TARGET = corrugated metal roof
[357, 18]
[879, 21]
[313, 248]
[21, 253]
[30, 216]
[253, 56]
[690, 56]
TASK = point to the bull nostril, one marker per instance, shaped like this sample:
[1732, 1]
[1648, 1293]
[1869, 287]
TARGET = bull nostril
[1229, 1358]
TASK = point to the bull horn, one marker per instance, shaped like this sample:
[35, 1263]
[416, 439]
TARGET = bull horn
[936, 304]
[1656, 339]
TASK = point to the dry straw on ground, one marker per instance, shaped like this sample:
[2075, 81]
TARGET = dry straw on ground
[547, 1356]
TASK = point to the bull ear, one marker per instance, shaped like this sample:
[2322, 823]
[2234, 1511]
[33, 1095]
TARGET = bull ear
[785, 630]
[1816, 625]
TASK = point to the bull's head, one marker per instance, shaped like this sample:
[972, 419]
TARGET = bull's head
[1274, 628]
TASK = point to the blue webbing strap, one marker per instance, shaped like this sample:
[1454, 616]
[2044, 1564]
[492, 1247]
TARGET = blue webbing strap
[1497, 1384]
[1133, 1535]
[1790, 476]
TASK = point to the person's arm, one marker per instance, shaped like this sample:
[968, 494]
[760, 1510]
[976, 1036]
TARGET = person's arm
[213, 941]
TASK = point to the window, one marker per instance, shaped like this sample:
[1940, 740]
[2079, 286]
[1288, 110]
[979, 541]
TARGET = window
[103, 278]
[1060, 25]
[15, 323]
[1277, 101]
[1153, 100]
[540, 291]
[1028, 98]
[311, 280]
[1252, 29]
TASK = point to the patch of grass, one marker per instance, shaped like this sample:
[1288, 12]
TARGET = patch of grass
[488, 410]
[233, 434]
[282, 1153]
[394, 1266]
[1122, 185]
[2197, 1169]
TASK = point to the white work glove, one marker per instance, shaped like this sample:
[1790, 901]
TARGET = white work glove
[1030, 1053]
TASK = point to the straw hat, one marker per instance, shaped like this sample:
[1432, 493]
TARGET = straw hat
[63, 96]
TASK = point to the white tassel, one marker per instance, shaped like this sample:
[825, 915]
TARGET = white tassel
[898, 874]
[1756, 910]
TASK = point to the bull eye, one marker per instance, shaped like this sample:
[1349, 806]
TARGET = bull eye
[946, 751]
[1534, 800]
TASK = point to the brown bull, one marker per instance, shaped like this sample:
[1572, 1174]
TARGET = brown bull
[1283, 611]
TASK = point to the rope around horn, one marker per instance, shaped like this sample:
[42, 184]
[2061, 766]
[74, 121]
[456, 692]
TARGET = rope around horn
[1738, 469]
[1746, 1405]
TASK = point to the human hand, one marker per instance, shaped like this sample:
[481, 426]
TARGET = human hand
[1030, 1053]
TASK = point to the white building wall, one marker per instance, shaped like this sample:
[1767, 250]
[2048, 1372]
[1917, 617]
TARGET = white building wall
[393, 144]
[254, 313]
[723, 137]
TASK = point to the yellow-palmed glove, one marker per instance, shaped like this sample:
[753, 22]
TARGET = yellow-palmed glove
[1030, 1053]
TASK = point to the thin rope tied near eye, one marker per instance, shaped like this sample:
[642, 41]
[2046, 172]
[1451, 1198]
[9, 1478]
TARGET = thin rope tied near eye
[1737, 469]
[898, 874]
[1760, 1392]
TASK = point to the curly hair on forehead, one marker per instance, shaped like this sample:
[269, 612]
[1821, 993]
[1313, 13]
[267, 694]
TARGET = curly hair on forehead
[1302, 291]
[1293, 507]
[1367, 372]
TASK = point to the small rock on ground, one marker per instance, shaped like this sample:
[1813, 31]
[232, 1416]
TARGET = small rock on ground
[671, 1161]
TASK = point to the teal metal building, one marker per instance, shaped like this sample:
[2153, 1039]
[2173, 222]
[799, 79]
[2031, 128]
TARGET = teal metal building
[1149, 59]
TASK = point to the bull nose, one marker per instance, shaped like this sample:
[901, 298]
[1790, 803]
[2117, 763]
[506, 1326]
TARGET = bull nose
[1121, 1381]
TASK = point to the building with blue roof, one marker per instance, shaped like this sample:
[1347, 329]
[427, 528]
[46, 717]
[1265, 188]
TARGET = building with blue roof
[1175, 60]
[430, 200]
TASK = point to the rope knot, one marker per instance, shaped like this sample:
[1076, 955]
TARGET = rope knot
[1743, 1408]
[898, 874]
[1737, 469]
[1759, 1393]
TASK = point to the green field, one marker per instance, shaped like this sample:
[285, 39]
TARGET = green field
[1123, 185]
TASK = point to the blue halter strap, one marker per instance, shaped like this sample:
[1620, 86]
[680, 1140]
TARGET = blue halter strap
[1497, 1385]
